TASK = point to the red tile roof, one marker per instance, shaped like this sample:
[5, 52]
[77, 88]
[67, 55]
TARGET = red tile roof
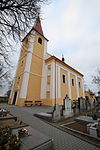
[37, 26]
[63, 63]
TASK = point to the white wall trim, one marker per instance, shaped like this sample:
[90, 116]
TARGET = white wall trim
[17, 96]
[70, 71]
[35, 74]
[24, 87]
[59, 83]
[30, 73]
[12, 88]
[45, 49]
[56, 80]
[36, 55]
[69, 86]
[52, 85]
[77, 87]
[12, 96]
[44, 74]
[13, 93]
[83, 87]
[58, 88]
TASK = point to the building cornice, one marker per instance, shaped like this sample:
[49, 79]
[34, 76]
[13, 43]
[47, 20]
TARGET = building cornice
[53, 58]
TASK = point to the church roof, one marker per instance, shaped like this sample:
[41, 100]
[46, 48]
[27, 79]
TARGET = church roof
[37, 27]
[63, 63]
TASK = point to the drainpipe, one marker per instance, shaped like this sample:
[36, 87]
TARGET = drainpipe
[55, 84]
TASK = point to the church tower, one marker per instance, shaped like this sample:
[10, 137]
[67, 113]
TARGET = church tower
[42, 77]
[27, 82]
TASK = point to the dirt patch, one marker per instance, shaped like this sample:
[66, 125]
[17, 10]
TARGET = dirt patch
[77, 126]
[6, 116]
[10, 123]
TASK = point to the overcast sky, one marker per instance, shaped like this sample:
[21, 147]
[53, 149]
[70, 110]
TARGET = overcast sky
[73, 29]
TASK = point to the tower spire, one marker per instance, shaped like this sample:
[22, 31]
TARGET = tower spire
[37, 26]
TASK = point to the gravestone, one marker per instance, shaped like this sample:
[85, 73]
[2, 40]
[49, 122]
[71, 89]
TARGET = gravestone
[67, 107]
[84, 103]
[92, 103]
[80, 104]
[87, 103]
[57, 112]
[98, 129]
[98, 99]
[35, 141]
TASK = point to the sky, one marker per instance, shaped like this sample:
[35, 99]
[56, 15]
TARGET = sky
[73, 29]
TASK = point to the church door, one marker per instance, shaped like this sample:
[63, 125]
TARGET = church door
[14, 99]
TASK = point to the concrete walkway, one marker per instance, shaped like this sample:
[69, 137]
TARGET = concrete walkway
[62, 140]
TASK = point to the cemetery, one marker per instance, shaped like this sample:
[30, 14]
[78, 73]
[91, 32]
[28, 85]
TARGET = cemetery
[84, 126]
[15, 134]
[69, 109]
[81, 118]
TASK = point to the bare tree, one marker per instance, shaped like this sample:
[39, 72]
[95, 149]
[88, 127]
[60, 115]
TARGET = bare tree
[96, 79]
[16, 17]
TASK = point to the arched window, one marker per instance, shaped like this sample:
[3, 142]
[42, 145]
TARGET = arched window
[63, 78]
[72, 82]
[40, 40]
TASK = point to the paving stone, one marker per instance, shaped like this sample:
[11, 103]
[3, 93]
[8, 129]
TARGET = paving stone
[34, 140]
[62, 140]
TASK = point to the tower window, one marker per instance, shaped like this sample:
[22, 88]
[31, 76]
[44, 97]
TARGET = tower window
[22, 63]
[72, 82]
[40, 40]
[63, 78]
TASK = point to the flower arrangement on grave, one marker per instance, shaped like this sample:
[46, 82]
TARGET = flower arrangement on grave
[3, 112]
[8, 141]
[23, 132]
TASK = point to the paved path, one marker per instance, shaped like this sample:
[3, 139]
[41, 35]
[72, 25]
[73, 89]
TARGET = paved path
[62, 140]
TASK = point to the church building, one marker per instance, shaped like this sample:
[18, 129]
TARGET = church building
[41, 76]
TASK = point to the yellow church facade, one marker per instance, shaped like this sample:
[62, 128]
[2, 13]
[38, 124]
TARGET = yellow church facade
[42, 77]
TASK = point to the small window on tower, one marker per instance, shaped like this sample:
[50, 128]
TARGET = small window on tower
[63, 78]
[40, 40]
[22, 63]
